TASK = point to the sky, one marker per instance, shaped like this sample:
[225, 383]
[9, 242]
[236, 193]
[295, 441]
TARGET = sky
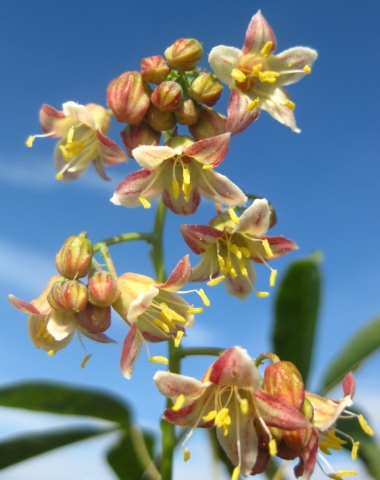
[324, 183]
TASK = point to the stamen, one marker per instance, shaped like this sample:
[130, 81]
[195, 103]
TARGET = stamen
[365, 427]
[175, 189]
[267, 48]
[31, 138]
[210, 416]
[70, 135]
[29, 142]
[233, 215]
[272, 279]
[51, 352]
[223, 420]
[267, 248]
[238, 75]
[306, 69]
[233, 272]
[253, 104]
[330, 440]
[245, 252]
[256, 69]
[268, 76]
[342, 473]
[244, 406]
[85, 360]
[354, 451]
[144, 202]
[66, 154]
[242, 268]
[291, 105]
[203, 296]
[161, 325]
[158, 359]
[208, 167]
[262, 294]
[236, 473]
[195, 310]
[167, 320]
[171, 314]
[186, 454]
[178, 338]
[216, 281]
[236, 250]
[186, 175]
[179, 403]
[186, 188]
[272, 447]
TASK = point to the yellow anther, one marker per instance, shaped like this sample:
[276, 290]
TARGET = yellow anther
[144, 202]
[175, 189]
[203, 296]
[272, 447]
[207, 167]
[244, 406]
[233, 215]
[171, 314]
[167, 320]
[51, 352]
[233, 272]
[158, 359]
[178, 338]
[221, 262]
[179, 403]
[236, 250]
[242, 268]
[268, 76]
[291, 105]
[272, 279]
[216, 281]
[366, 428]
[66, 154]
[195, 310]
[267, 48]
[186, 454]
[238, 75]
[235, 473]
[210, 416]
[253, 104]
[343, 473]
[75, 148]
[262, 294]
[186, 175]
[267, 248]
[354, 451]
[29, 142]
[70, 135]
[59, 176]
[186, 188]
[306, 69]
[161, 325]
[223, 420]
[85, 360]
[330, 440]
[256, 69]
[245, 252]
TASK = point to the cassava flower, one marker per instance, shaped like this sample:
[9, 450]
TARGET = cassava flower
[83, 130]
[256, 76]
[182, 171]
[229, 244]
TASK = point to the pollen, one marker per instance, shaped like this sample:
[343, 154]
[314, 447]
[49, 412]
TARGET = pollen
[186, 454]
[159, 359]
[267, 248]
[244, 406]
[256, 69]
[30, 140]
[51, 352]
[365, 427]
[233, 216]
[179, 403]
[262, 294]
[85, 360]
[306, 69]
[272, 279]
[330, 440]
[235, 473]
[210, 416]
[178, 338]
[186, 175]
[144, 202]
[175, 189]
[208, 167]
[59, 176]
[186, 188]
[268, 76]
[354, 451]
[203, 296]
[238, 75]
[267, 48]
[272, 447]
[195, 310]
[223, 420]
[216, 281]
[291, 105]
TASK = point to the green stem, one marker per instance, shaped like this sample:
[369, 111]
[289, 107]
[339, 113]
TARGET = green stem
[187, 352]
[104, 252]
[157, 253]
[125, 237]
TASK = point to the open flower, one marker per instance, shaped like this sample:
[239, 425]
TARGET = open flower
[49, 328]
[153, 311]
[229, 245]
[256, 76]
[228, 397]
[182, 171]
[83, 130]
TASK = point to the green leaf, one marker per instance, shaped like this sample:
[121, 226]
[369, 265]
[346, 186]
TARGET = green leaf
[362, 344]
[66, 400]
[132, 456]
[296, 313]
[23, 447]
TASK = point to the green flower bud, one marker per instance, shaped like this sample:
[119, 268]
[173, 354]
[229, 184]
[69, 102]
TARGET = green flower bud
[189, 112]
[206, 89]
[160, 121]
[184, 54]
[154, 69]
[74, 258]
[135, 135]
[210, 124]
[102, 289]
[68, 296]
[94, 319]
[167, 96]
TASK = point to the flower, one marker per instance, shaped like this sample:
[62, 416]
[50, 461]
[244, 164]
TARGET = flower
[49, 328]
[256, 76]
[83, 130]
[153, 311]
[229, 244]
[182, 170]
[228, 397]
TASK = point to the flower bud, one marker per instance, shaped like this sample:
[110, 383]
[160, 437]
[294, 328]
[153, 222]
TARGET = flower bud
[206, 89]
[167, 96]
[74, 258]
[210, 124]
[154, 69]
[160, 121]
[128, 97]
[94, 319]
[68, 296]
[184, 54]
[189, 112]
[101, 117]
[102, 289]
[135, 135]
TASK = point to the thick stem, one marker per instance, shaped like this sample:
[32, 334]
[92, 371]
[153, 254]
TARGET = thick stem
[104, 252]
[187, 352]
[157, 252]
[125, 237]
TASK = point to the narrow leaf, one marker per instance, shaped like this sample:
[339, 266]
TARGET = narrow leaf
[359, 347]
[22, 447]
[296, 313]
[66, 400]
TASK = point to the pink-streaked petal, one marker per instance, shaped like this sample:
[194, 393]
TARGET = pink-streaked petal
[219, 189]
[144, 183]
[276, 107]
[60, 324]
[179, 276]
[210, 151]
[308, 458]
[290, 64]
[239, 117]
[327, 411]
[79, 112]
[279, 246]
[199, 238]
[207, 268]
[37, 324]
[130, 351]
[172, 385]
[23, 306]
[241, 286]
[277, 413]
[348, 385]
[255, 219]
[151, 156]
[110, 152]
[53, 120]
[141, 303]
[235, 368]
[98, 164]
[97, 337]
[179, 205]
[223, 60]
[258, 34]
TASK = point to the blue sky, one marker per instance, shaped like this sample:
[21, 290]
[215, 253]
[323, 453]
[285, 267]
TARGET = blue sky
[323, 182]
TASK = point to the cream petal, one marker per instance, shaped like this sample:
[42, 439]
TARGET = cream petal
[110, 153]
[239, 116]
[223, 60]
[255, 219]
[151, 156]
[53, 120]
[290, 64]
[275, 105]
[210, 151]
[179, 276]
[37, 332]
[200, 238]
[141, 303]
[207, 268]
[79, 113]
[60, 324]
[145, 183]
[241, 286]
[180, 205]
[172, 385]
[218, 188]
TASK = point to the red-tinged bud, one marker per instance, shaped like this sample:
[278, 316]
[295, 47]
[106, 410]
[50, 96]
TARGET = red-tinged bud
[128, 97]
[167, 96]
[68, 296]
[135, 135]
[154, 69]
[298, 439]
[102, 289]
[261, 462]
[206, 89]
[94, 319]
[160, 121]
[210, 124]
[101, 117]
[74, 258]
[283, 380]
[189, 112]
[184, 54]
